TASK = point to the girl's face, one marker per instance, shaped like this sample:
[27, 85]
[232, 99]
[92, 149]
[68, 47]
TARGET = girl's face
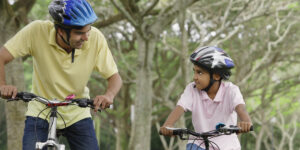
[201, 77]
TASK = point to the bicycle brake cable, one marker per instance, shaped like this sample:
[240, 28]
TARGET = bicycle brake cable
[36, 137]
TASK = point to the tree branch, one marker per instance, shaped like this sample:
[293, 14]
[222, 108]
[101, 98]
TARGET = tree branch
[150, 8]
[22, 8]
[126, 14]
[167, 15]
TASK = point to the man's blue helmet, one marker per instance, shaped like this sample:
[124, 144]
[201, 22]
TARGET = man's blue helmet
[72, 12]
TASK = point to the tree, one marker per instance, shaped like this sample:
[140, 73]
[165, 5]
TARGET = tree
[147, 32]
[261, 37]
[151, 40]
[13, 16]
[240, 28]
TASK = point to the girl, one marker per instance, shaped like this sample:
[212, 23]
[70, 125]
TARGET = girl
[211, 100]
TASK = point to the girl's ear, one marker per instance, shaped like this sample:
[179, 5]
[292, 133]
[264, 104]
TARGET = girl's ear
[216, 77]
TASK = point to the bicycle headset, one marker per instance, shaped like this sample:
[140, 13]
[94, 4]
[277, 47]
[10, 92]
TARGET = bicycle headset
[71, 14]
[214, 60]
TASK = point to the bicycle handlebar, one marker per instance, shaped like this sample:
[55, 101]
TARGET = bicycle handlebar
[218, 132]
[81, 102]
[221, 129]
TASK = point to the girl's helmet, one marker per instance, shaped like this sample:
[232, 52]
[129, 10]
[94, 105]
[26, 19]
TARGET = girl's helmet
[214, 59]
[72, 12]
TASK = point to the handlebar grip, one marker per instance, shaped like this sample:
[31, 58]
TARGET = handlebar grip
[25, 96]
[176, 132]
[252, 128]
[91, 103]
[84, 102]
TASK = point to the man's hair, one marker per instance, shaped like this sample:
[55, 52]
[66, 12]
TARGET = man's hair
[66, 28]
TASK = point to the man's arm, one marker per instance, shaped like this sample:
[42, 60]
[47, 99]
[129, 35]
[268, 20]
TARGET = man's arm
[6, 91]
[113, 87]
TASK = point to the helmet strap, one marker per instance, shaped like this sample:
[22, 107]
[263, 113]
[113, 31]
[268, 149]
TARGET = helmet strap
[211, 82]
[68, 43]
[68, 38]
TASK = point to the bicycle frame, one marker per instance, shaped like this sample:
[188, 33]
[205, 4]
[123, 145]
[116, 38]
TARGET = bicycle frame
[52, 142]
[52, 139]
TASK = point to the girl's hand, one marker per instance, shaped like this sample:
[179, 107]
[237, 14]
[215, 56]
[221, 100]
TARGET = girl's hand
[164, 131]
[245, 126]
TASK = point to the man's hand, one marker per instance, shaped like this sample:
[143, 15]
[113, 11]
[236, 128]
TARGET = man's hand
[102, 101]
[8, 91]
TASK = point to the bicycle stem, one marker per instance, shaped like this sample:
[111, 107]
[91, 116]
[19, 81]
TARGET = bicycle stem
[51, 141]
[52, 124]
[206, 142]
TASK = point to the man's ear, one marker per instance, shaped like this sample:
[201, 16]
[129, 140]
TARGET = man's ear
[60, 31]
[216, 77]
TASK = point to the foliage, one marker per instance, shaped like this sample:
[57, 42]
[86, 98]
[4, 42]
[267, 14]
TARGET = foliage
[40, 10]
[268, 76]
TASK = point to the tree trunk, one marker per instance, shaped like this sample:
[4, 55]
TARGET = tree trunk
[147, 34]
[121, 137]
[183, 63]
[141, 126]
[15, 110]
[11, 19]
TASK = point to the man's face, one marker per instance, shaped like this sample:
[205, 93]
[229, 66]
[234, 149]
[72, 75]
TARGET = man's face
[79, 36]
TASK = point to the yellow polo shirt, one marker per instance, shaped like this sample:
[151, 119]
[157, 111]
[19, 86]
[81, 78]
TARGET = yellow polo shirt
[54, 75]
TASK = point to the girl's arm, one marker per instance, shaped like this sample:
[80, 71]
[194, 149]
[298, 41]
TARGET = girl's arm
[245, 121]
[172, 118]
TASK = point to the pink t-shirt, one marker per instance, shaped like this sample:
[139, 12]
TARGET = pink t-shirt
[207, 113]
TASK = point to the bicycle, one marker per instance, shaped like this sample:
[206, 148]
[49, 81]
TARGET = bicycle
[52, 142]
[221, 129]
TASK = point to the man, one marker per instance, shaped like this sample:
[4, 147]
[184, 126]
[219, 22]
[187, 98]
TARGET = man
[64, 56]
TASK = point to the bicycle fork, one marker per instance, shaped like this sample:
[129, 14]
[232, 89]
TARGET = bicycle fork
[52, 139]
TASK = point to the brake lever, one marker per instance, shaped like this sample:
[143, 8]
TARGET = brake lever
[85, 103]
[12, 99]
[24, 96]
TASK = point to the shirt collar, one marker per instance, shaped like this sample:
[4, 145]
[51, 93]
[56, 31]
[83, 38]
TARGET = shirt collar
[219, 96]
[52, 40]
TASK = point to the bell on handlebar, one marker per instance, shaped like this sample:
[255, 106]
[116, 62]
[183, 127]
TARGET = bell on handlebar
[220, 125]
[70, 97]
